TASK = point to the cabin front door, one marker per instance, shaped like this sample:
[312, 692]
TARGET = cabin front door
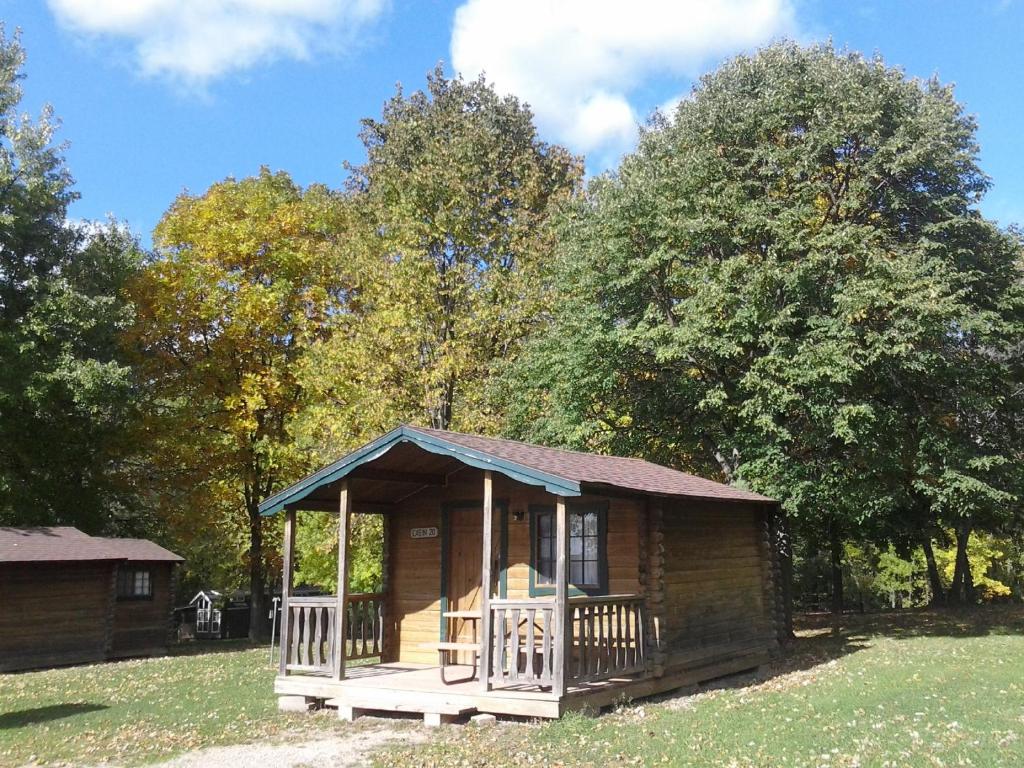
[465, 532]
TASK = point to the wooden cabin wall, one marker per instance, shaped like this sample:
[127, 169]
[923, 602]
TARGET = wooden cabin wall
[55, 613]
[414, 599]
[142, 627]
[718, 594]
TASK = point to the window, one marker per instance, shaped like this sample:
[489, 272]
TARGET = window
[587, 548]
[134, 584]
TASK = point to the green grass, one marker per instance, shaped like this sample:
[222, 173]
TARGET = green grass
[138, 711]
[917, 690]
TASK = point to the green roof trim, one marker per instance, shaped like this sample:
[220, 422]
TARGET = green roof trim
[560, 486]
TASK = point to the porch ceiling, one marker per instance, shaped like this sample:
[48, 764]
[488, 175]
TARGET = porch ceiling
[404, 469]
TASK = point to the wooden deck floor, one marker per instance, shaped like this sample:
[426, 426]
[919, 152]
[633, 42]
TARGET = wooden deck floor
[417, 688]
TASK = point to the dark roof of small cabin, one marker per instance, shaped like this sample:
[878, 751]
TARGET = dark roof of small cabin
[67, 544]
[563, 472]
[142, 550]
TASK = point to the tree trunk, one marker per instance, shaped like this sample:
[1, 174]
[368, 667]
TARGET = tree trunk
[961, 591]
[836, 557]
[786, 551]
[257, 602]
[934, 580]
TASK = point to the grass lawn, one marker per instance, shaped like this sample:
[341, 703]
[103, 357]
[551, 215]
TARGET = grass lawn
[912, 690]
[131, 712]
[916, 689]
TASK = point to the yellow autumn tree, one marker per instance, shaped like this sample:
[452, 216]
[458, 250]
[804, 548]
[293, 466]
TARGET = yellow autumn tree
[243, 281]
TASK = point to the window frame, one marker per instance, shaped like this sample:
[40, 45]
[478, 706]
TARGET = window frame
[127, 576]
[540, 589]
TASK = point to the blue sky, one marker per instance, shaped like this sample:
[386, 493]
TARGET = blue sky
[158, 96]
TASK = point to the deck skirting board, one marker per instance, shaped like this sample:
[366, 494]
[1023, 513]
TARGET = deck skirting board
[421, 691]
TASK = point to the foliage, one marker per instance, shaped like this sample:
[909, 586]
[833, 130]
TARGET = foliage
[65, 390]
[242, 284]
[789, 284]
[985, 552]
[884, 577]
[453, 203]
[316, 545]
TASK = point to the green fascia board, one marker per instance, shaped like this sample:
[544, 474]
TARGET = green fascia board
[554, 484]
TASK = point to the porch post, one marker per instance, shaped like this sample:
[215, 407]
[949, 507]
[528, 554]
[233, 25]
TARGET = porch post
[285, 640]
[341, 608]
[563, 638]
[485, 585]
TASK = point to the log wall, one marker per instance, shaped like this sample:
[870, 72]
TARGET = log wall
[719, 586]
[141, 626]
[55, 613]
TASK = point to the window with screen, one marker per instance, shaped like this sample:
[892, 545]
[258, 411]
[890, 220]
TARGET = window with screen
[134, 583]
[587, 547]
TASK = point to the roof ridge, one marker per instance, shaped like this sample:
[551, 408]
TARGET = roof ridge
[588, 454]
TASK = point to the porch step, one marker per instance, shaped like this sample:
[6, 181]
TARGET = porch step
[438, 707]
[453, 646]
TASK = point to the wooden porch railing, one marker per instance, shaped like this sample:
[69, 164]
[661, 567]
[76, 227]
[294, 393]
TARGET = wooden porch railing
[607, 640]
[608, 637]
[365, 625]
[310, 647]
[523, 632]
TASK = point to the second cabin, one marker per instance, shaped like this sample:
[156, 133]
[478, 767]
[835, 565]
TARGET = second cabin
[525, 580]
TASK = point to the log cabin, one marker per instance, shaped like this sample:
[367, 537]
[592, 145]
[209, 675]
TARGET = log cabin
[524, 580]
[71, 598]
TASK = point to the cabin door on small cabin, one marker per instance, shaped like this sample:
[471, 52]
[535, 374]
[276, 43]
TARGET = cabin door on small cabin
[465, 532]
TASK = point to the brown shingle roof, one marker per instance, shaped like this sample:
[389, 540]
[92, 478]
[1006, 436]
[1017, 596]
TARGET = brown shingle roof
[67, 544]
[597, 470]
[140, 549]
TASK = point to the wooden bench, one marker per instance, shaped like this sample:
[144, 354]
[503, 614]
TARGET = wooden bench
[447, 647]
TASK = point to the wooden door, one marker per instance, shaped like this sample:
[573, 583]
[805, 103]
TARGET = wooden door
[465, 532]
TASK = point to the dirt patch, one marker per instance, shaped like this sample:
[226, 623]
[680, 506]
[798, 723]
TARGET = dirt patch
[340, 751]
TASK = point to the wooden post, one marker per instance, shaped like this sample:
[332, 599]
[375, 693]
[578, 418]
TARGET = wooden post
[285, 641]
[341, 609]
[386, 632]
[563, 640]
[485, 585]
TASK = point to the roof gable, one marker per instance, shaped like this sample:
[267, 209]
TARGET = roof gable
[561, 472]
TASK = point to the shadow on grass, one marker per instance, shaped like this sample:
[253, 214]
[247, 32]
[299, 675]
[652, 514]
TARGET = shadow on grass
[46, 714]
[921, 622]
[203, 647]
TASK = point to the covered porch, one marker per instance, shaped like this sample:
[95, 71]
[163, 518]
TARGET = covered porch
[524, 655]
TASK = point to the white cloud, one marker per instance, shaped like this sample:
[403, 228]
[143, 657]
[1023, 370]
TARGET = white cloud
[580, 63]
[194, 41]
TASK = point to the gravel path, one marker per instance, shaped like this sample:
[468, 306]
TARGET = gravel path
[347, 751]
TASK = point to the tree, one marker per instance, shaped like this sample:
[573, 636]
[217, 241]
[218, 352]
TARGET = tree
[453, 204]
[65, 390]
[242, 283]
[761, 288]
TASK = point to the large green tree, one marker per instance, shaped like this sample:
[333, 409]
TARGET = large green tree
[242, 283]
[789, 283]
[65, 391]
[453, 205]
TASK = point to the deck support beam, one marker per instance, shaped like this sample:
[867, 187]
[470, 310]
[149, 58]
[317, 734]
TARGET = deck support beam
[284, 642]
[563, 638]
[485, 584]
[341, 611]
